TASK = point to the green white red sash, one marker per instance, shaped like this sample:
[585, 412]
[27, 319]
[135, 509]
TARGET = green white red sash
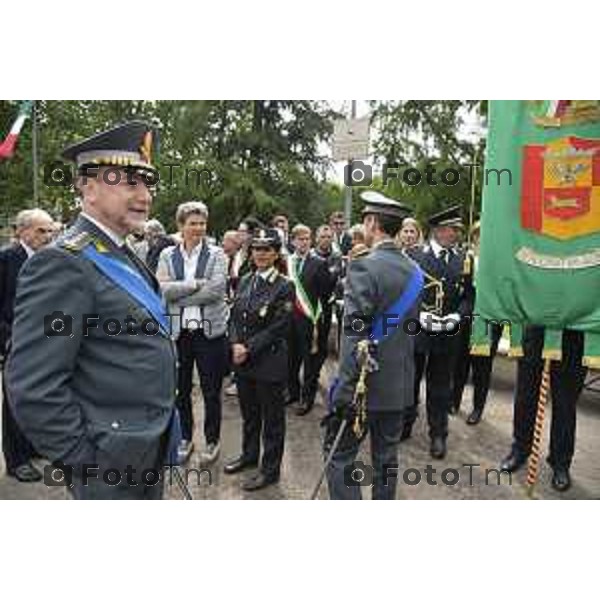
[303, 303]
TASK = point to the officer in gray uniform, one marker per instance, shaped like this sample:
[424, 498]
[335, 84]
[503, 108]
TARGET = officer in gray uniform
[91, 371]
[382, 281]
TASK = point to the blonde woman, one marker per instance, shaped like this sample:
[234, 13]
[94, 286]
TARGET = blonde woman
[411, 234]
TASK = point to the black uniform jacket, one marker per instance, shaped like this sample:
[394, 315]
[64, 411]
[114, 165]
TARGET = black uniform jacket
[260, 320]
[450, 274]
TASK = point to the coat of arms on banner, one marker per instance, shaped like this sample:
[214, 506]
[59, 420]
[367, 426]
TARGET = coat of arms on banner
[560, 192]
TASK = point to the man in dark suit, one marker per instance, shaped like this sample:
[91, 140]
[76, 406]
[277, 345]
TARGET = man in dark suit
[313, 286]
[445, 302]
[335, 266]
[91, 372]
[342, 240]
[380, 281]
[567, 377]
[34, 229]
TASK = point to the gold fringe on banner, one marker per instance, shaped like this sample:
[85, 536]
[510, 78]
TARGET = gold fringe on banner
[481, 350]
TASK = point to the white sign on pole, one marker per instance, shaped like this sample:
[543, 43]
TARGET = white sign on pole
[351, 139]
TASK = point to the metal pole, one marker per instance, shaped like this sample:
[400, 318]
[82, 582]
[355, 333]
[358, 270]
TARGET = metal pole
[336, 443]
[34, 149]
[348, 200]
[472, 205]
[348, 194]
[181, 484]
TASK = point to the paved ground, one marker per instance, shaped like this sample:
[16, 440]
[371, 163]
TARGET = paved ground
[484, 444]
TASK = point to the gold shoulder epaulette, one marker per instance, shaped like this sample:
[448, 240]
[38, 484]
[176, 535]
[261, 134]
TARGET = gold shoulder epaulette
[77, 242]
[359, 250]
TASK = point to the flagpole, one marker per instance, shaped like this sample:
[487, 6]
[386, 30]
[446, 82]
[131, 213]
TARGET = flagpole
[472, 204]
[538, 429]
[34, 150]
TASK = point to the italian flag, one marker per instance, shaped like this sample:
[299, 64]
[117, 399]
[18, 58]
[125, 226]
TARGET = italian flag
[7, 147]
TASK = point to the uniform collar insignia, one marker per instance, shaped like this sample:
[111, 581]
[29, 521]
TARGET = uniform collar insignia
[77, 242]
[100, 246]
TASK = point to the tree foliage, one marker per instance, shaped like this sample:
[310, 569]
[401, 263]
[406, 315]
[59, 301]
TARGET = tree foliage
[424, 134]
[256, 157]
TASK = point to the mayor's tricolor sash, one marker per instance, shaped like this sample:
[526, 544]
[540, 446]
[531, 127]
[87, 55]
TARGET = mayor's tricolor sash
[303, 303]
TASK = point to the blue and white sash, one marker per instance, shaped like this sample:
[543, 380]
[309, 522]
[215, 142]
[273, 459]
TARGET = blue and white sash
[129, 280]
[393, 314]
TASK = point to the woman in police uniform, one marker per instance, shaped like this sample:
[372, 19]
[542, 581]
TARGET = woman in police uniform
[259, 328]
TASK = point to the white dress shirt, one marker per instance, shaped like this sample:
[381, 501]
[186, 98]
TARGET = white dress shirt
[192, 316]
[437, 249]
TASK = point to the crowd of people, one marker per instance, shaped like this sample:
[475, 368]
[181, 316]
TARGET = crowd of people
[255, 308]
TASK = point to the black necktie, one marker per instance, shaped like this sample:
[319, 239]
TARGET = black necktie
[444, 255]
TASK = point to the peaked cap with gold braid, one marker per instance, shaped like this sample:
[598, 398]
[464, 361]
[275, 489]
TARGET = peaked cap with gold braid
[126, 145]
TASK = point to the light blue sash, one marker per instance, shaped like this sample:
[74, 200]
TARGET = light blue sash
[131, 281]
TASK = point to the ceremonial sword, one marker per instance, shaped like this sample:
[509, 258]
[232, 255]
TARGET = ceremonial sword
[367, 365]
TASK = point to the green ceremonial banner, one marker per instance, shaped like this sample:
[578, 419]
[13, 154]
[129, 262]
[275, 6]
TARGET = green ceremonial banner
[539, 259]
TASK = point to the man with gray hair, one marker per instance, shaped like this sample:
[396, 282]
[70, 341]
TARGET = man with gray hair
[193, 278]
[157, 240]
[34, 229]
[144, 237]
